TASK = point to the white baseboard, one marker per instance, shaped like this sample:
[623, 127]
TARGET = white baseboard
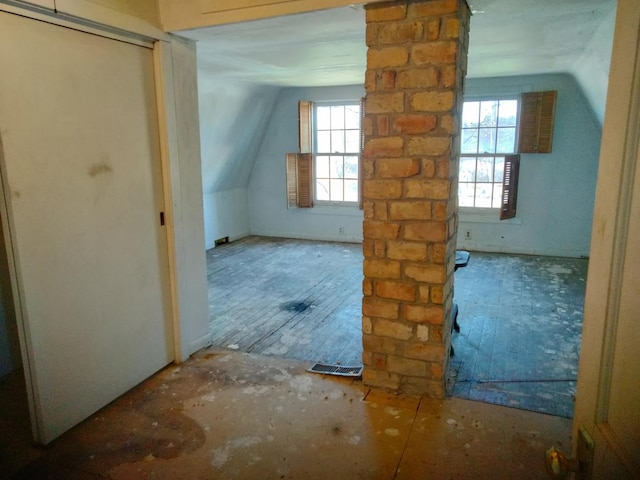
[325, 238]
[516, 250]
[198, 344]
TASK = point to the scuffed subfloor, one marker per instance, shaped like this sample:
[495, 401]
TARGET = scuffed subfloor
[520, 331]
[232, 415]
[520, 315]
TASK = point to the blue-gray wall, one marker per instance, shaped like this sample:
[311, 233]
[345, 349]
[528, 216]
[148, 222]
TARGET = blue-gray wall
[244, 171]
[268, 210]
[557, 190]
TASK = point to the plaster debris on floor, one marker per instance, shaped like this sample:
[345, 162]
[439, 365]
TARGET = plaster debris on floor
[520, 316]
[227, 414]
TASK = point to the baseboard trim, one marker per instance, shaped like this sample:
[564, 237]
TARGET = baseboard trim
[199, 344]
[324, 238]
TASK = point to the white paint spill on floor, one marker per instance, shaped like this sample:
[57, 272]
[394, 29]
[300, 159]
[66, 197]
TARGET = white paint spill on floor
[222, 455]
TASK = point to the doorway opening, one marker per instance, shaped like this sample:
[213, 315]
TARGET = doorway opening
[241, 60]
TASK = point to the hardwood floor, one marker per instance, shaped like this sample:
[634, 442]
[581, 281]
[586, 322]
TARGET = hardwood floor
[289, 298]
[520, 316]
[520, 323]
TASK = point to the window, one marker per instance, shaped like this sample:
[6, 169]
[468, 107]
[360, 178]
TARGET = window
[488, 136]
[327, 167]
[491, 128]
[336, 152]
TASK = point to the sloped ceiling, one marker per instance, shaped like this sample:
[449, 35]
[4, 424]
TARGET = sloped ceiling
[508, 37]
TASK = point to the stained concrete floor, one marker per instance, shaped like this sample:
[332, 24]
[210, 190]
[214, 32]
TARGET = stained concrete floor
[233, 415]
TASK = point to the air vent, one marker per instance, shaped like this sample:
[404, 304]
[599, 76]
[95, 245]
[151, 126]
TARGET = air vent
[342, 371]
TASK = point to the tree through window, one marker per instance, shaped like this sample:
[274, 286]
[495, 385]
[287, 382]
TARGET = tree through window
[488, 135]
[337, 152]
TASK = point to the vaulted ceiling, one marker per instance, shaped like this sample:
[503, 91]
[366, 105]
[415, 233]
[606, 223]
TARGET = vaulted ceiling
[327, 47]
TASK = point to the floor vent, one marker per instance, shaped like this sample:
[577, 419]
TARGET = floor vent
[221, 241]
[327, 369]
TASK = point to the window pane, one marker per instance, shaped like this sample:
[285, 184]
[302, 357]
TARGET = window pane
[465, 194]
[487, 143]
[467, 169]
[489, 113]
[499, 169]
[324, 142]
[323, 118]
[337, 141]
[337, 138]
[497, 195]
[508, 113]
[353, 141]
[337, 117]
[352, 116]
[322, 167]
[351, 167]
[488, 127]
[506, 140]
[337, 167]
[337, 194]
[322, 189]
[485, 170]
[470, 114]
[350, 190]
[484, 195]
[469, 140]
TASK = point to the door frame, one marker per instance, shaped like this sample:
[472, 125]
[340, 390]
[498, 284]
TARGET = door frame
[614, 190]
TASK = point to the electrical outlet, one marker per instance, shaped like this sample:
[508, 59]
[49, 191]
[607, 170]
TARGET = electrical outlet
[467, 234]
[340, 230]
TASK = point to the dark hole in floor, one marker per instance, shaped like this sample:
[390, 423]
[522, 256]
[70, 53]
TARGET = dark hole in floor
[295, 306]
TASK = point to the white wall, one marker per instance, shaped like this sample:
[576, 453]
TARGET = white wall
[233, 121]
[592, 68]
[556, 191]
[268, 210]
[226, 214]
[185, 168]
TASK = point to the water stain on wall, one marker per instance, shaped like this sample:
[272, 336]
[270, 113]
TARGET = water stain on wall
[100, 169]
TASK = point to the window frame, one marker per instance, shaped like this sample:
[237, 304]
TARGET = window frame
[480, 98]
[316, 154]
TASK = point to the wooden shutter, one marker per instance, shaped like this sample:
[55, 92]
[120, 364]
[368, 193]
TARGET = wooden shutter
[304, 160]
[510, 187]
[292, 180]
[299, 180]
[361, 157]
[305, 181]
[305, 133]
[537, 110]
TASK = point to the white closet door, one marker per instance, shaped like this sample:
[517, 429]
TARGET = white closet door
[83, 184]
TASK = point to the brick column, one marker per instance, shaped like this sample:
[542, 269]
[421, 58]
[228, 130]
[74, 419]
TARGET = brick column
[415, 69]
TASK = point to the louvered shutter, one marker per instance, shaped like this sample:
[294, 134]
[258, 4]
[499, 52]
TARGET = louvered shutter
[292, 179]
[305, 134]
[537, 111]
[510, 187]
[305, 181]
[305, 158]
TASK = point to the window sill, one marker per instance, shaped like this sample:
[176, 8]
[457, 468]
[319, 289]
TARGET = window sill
[484, 215]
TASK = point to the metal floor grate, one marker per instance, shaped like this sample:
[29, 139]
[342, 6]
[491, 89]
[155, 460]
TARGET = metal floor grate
[327, 369]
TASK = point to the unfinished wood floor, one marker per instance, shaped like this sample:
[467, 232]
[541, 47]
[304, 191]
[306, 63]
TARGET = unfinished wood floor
[520, 316]
[289, 298]
[520, 324]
